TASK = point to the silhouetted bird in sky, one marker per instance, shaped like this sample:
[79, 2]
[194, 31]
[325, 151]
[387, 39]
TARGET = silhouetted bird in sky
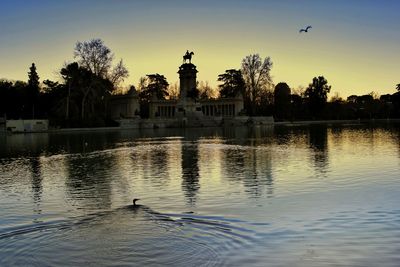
[305, 30]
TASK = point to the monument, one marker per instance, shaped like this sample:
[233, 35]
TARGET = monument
[188, 110]
[187, 107]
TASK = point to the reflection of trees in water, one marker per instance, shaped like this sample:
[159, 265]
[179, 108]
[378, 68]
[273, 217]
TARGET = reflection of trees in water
[258, 178]
[151, 159]
[336, 135]
[318, 139]
[89, 179]
[32, 144]
[283, 135]
[190, 171]
[398, 139]
[159, 165]
[250, 165]
[36, 181]
[3, 145]
[260, 135]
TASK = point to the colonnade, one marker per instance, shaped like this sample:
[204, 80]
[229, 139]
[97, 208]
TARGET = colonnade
[227, 110]
[165, 111]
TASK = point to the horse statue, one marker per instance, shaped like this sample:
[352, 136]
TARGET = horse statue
[188, 56]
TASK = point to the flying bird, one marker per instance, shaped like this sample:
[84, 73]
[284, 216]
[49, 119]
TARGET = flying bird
[305, 30]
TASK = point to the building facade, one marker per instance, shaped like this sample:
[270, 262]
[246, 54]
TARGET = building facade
[125, 106]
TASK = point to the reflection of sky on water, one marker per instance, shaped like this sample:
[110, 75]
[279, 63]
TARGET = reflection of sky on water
[280, 184]
[258, 159]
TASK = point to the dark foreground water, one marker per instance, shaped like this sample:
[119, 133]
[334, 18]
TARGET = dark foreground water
[283, 196]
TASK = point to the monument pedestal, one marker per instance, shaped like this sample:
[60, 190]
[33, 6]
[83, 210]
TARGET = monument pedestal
[187, 107]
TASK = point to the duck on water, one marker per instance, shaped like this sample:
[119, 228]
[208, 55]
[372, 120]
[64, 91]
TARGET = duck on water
[134, 202]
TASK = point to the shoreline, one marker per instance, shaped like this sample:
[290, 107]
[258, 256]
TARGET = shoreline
[280, 123]
[345, 122]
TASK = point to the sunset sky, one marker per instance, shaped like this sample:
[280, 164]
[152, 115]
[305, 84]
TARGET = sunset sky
[354, 44]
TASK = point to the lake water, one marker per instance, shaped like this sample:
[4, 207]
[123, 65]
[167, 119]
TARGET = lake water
[265, 196]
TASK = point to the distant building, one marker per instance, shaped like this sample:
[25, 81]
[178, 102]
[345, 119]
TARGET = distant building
[124, 106]
[27, 126]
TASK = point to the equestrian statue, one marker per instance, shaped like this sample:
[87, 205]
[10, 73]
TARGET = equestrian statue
[188, 56]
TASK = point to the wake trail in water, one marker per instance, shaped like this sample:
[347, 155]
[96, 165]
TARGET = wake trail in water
[182, 239]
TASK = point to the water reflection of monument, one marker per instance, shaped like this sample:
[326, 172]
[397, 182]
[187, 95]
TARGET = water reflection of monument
[190, 171]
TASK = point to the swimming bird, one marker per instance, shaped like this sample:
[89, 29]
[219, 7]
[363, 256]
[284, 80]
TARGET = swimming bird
[134, 202]
[306, 29]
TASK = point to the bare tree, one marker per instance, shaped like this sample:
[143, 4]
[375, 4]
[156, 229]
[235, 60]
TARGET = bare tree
[336, 97]
[119, 73]
[173, 91]
[256, 74]
[96, 57]
[206, 91]
[143, 82]
[300, 91]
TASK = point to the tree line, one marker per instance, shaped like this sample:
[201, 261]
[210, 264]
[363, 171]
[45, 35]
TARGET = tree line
[81, 96]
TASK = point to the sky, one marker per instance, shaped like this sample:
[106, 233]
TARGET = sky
[354, 44]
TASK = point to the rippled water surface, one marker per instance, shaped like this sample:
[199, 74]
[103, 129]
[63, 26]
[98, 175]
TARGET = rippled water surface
[283, 196]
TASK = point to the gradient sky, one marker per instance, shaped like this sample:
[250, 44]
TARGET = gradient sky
[354, 44]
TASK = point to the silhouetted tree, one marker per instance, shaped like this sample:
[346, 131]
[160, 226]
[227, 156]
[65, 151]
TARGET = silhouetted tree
[386, 105]
[316, 94]
[96, 57]
[118, 74]
[154, 85]
[70, 73]
[256, 74]
[367, 106]
[151, 86]
[52, 100]
[88, 89]
[232, 83]
[32, 89]
[352, 99]
[396, 104]
[14, 100]
[266, 103]
[282, 101]
[398, 87]
[336, 108]
[7, 96]
[94, 90]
